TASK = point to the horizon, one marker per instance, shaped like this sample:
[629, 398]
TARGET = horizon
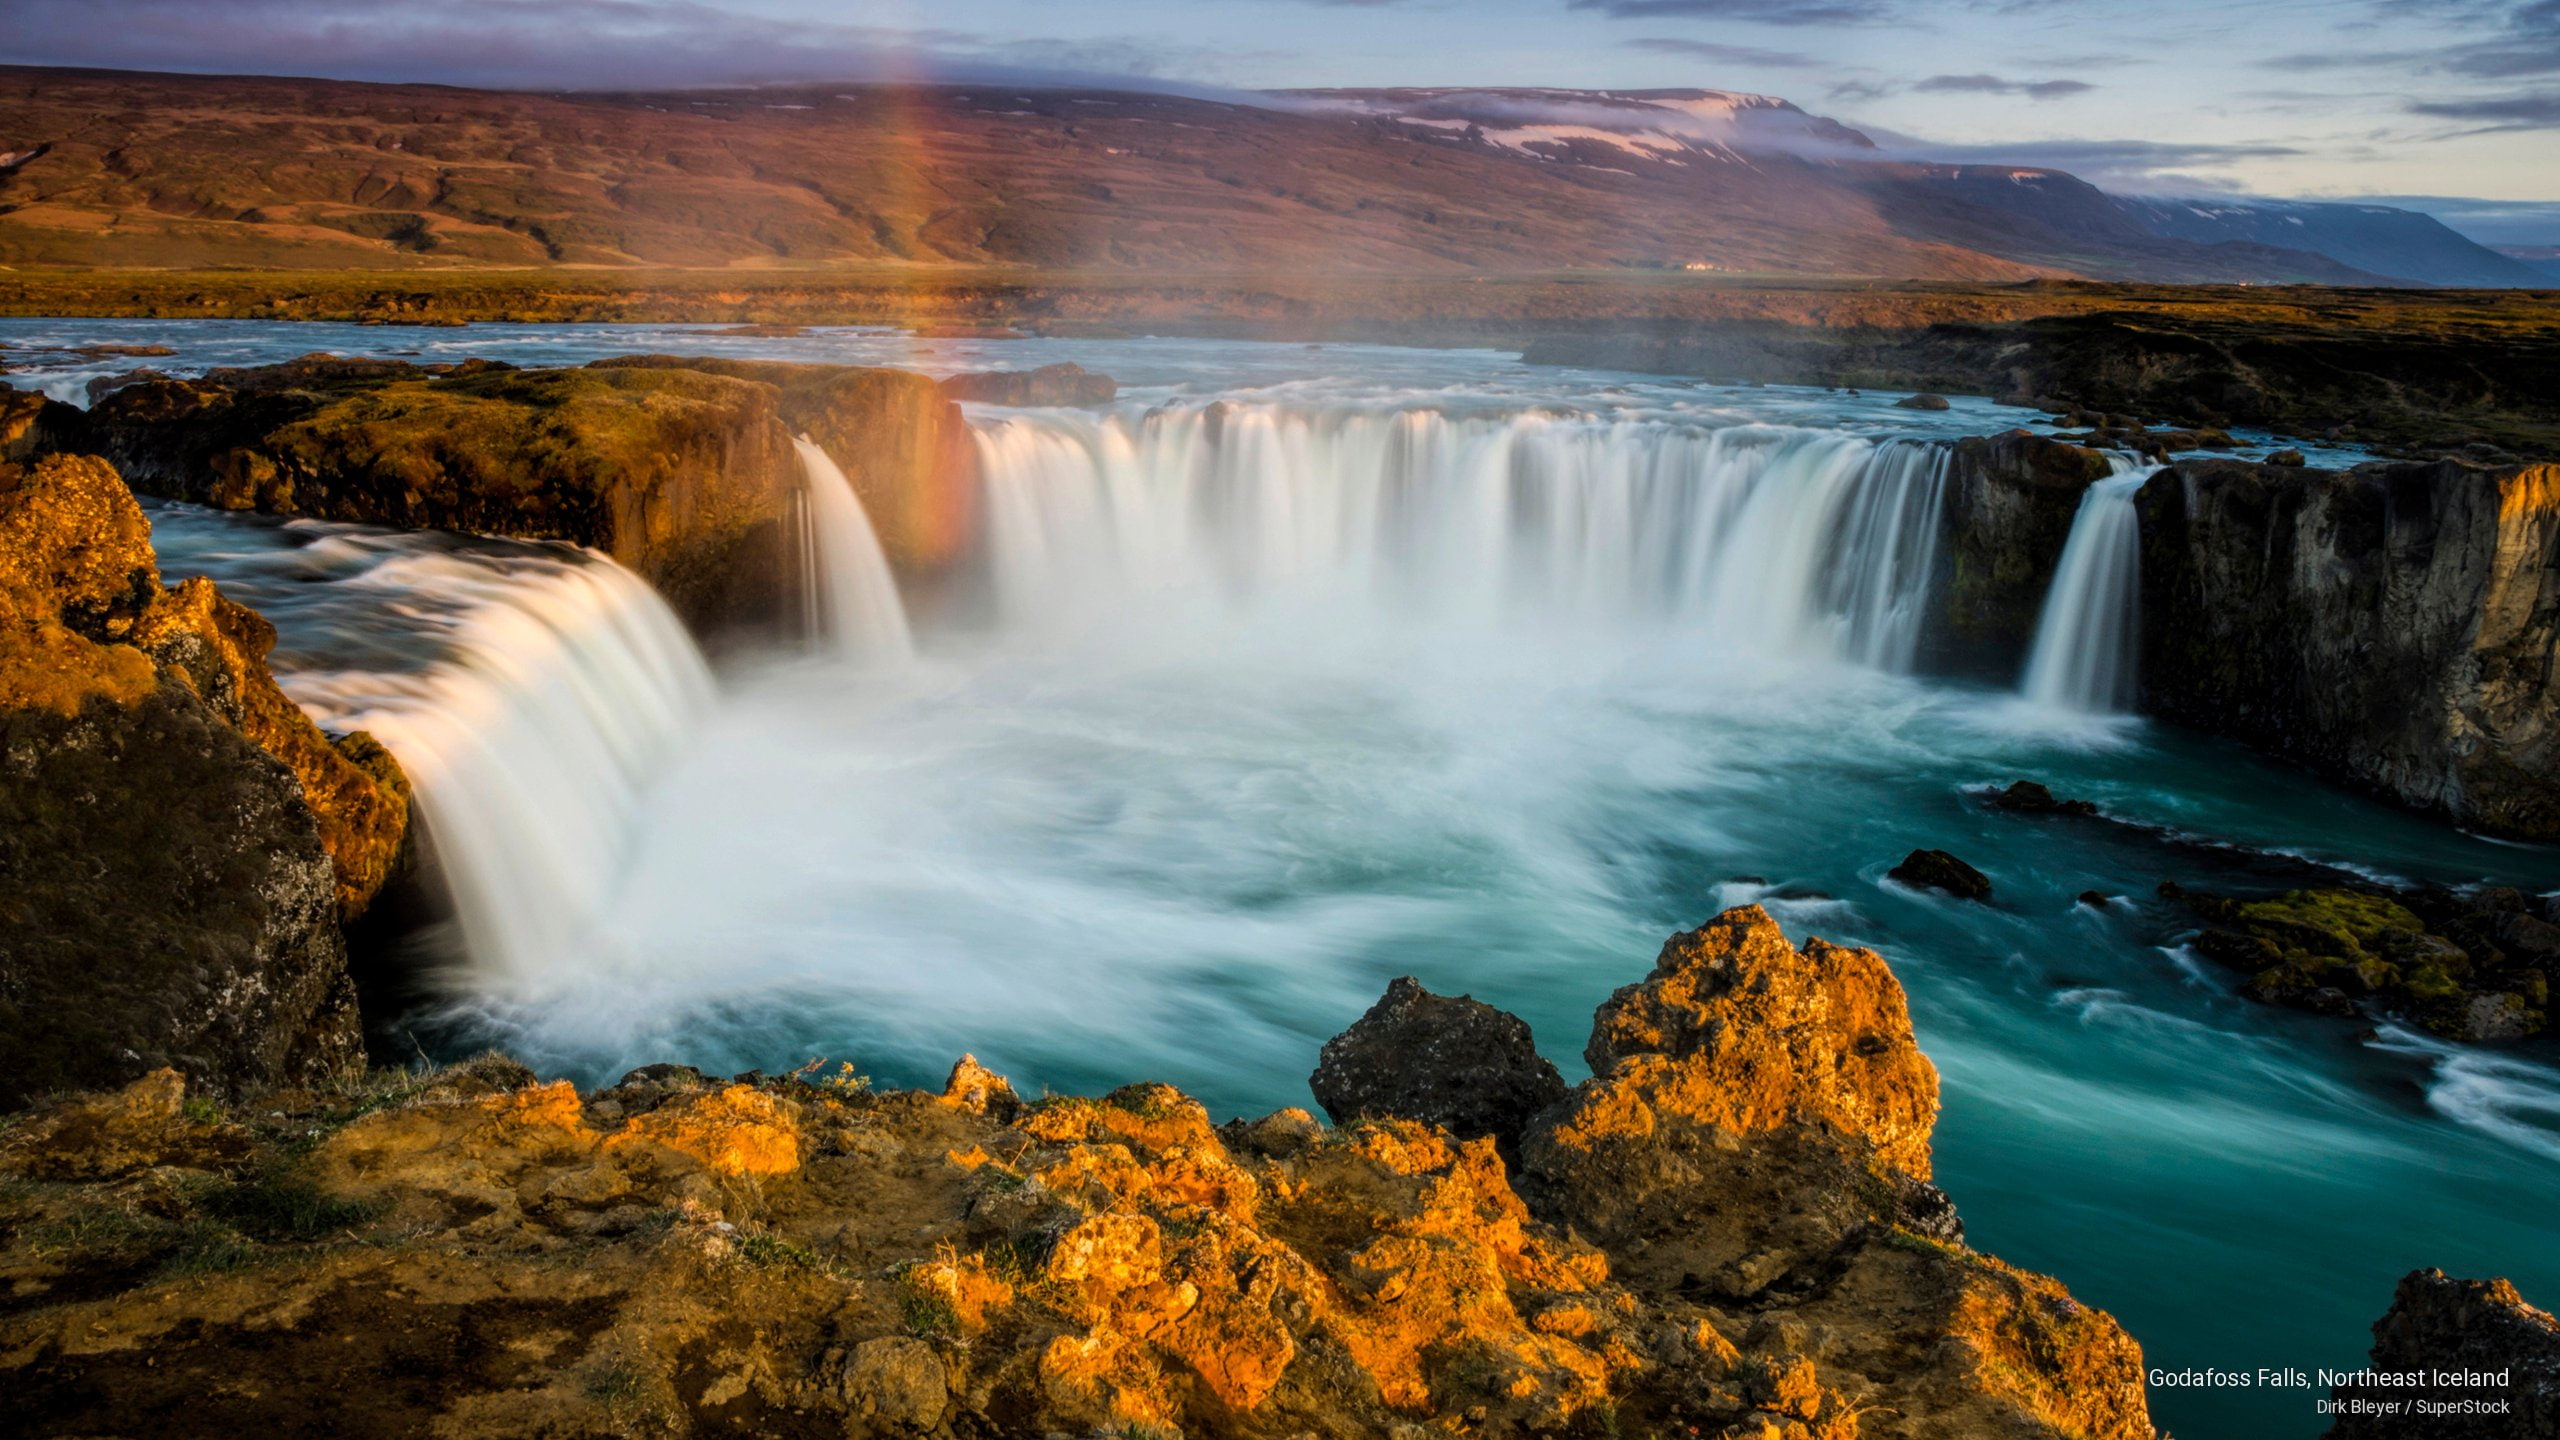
[2422, 105]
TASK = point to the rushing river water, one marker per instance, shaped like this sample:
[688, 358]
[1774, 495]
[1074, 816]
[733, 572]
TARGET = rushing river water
[1262, 718]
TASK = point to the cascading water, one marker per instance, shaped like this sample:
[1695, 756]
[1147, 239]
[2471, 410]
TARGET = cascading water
[1770, 542]
[2086, 646]
[857, 611]
[531, 693]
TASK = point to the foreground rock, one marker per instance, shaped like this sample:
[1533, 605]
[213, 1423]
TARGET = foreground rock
[475, 1252]
[1456, 1063]
[2390, 626]
[2483, 1327]
[178, 844]
[2474, 968]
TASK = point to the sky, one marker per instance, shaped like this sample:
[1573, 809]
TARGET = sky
[2417, 100]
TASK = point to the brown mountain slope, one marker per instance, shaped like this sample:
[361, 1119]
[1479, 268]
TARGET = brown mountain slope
[130, 170]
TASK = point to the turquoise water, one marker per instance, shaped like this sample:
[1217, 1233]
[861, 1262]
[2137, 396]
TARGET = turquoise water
[1189, 837]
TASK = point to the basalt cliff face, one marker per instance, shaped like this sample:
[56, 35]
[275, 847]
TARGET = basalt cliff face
[178, 844]
[681, 1256]
[2479, 1328]
[2394, 626]
[2010, 502]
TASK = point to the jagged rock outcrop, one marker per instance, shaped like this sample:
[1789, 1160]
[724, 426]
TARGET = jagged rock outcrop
[2508, 1352]
[2474, 968]
[1456, 1063]
[684, 1256]
[2391, 626]
[684, 476]
[178, 843]
[898, 437]
[2009, 505]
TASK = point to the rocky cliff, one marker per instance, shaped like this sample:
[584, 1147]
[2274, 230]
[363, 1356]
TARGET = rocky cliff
[178, 844]
[2507, 1351]
[2394, 626]
[475, 1252]
[2009, 506]
[685, 477]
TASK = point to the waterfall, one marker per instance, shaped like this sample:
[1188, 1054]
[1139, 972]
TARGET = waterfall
[559, 690]
[2085, 652]
[1763, 540]
[857, 610]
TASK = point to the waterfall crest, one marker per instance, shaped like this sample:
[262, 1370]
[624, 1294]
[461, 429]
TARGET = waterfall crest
[563, 689]
[856, 609]
[1765, 540]
[2086, 650]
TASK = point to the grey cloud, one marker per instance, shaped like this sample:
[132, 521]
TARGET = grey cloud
[2538, 111]
[560, 44]
[1749, 12]
[1712, 52]
[1994, 85]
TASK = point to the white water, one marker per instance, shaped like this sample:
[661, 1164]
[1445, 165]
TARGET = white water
[562, 689]
[2087, 642]
[1750, 540]
[858, 613]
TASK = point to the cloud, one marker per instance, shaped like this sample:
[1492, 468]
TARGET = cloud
[1746, 12]
[1994, 85]
[2133, 167]
[558, 44]
[1710, 51]
[2533, 111]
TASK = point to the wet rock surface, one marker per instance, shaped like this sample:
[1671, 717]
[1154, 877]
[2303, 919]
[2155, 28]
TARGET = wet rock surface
[1453, 1062]
[2390, 626]
[1937, 870]
[2483, 1327]
[687, 1256]
[178, 843]
[2009, 505]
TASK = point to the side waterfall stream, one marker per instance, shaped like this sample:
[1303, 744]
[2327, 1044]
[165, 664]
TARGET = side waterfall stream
[1273, 701]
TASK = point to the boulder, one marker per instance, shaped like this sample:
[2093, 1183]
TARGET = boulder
[1923, 401]
[2327, 949]
[2026, 797]
[1938, 870]
[2436, 1324]
[1457, 1063]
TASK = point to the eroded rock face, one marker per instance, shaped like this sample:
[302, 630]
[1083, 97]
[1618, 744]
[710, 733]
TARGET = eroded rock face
[177, 842]
[684, 1256]
[684, 476]
[2391, 626]
[2009, 506]
[1457, 1063]
[2439, 1323]
[1060, 384]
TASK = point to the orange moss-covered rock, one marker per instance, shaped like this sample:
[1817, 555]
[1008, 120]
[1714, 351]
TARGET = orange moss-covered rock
[734, 1130]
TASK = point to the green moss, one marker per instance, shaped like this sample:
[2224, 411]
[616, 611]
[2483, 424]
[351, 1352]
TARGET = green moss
[763, 1249]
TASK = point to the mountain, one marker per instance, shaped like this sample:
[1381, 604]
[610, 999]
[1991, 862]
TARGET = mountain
[2543, 260]
[2378, 238]
[118, 169]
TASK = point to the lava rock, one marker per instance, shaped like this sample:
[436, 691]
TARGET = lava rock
[2095, 899]
[1938, 870]
[2026, 797]
[2438, 1323]
[2292, 458]
[1921, 402]
[1453, 1062]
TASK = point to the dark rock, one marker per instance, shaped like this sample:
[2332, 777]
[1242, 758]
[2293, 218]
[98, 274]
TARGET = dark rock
[2437, 1324]
[2286, 457]
[1061, 384]
[2010, 502]
[2096, 899]
[1457, 1063]
[1938, 870]
[2325, 949]
[2387, 626]
[1924, 1209]
[1921, 402]
[2026, 797]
